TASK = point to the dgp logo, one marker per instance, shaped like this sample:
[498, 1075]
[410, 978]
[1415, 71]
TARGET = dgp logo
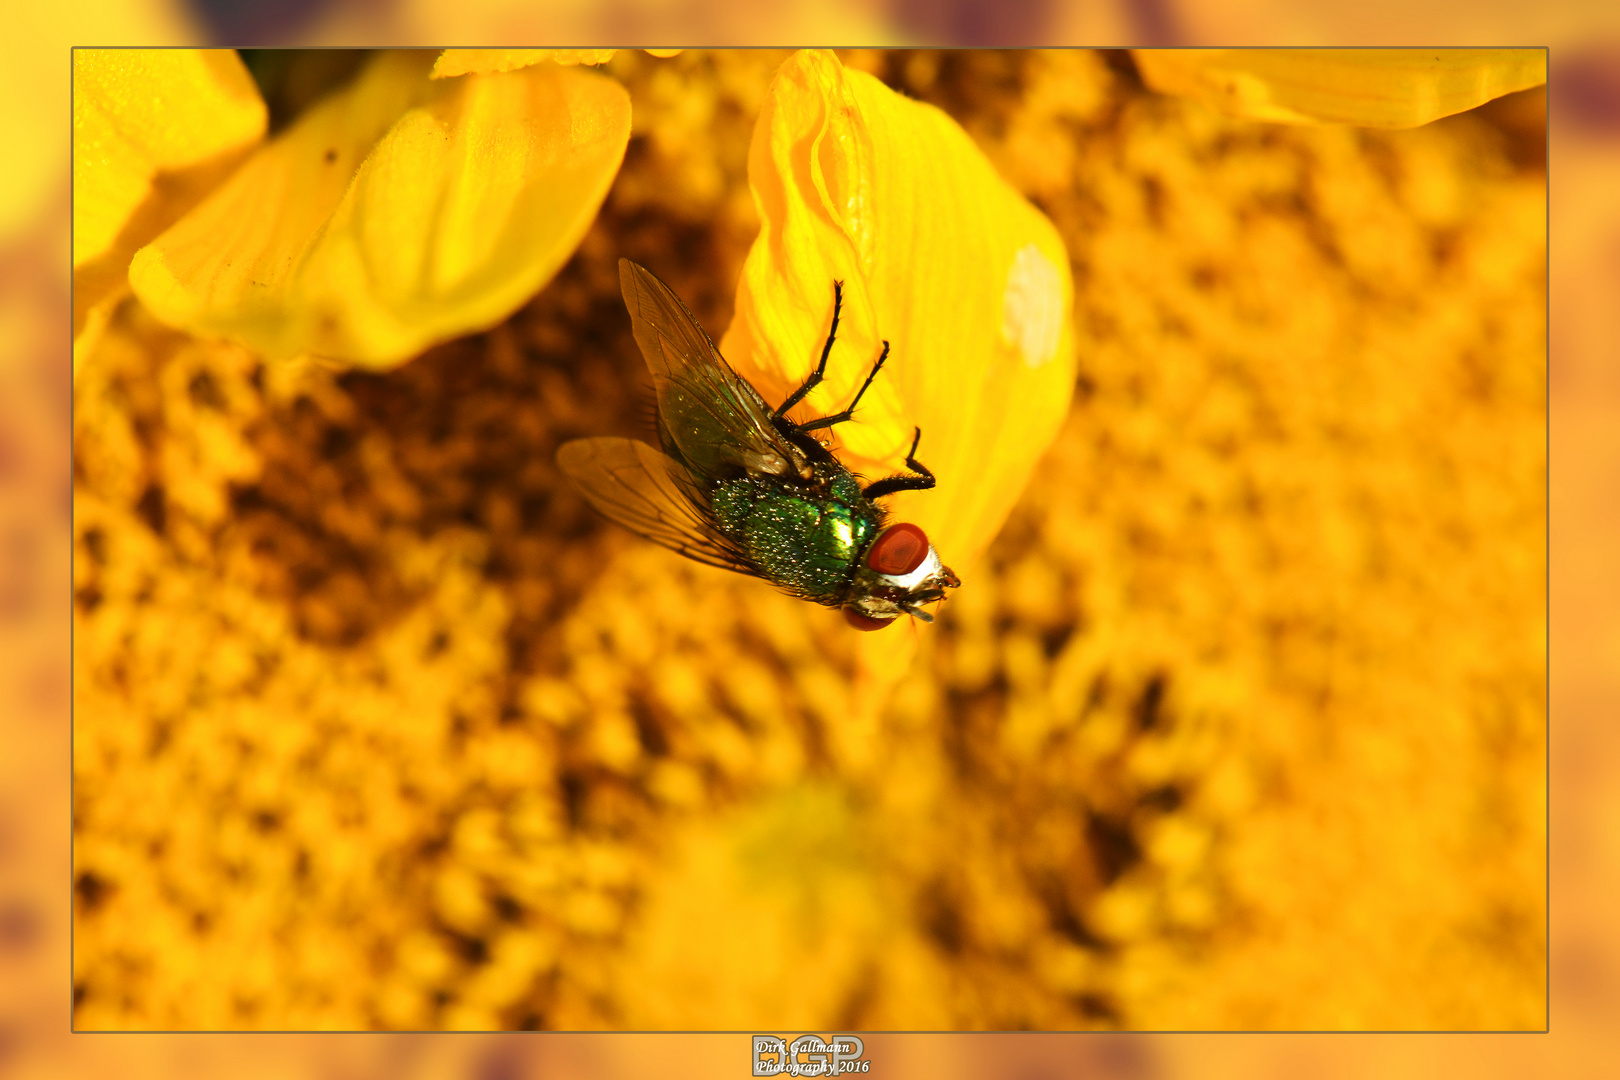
[808, 1055]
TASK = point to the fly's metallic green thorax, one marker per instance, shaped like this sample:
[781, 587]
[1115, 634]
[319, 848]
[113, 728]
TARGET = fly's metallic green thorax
[805, 537]
[741, 486]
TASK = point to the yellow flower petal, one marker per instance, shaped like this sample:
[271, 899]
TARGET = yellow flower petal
[396, 213]
[153, 130]
[1387, 88]
[939, 256]
[453, 62]
[137, 112]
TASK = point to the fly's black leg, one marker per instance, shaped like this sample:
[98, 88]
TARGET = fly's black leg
[839, 418]
[815, 376]
[921, 482]
[780, 416]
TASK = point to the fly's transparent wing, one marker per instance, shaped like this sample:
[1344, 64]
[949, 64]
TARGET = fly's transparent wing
[715, 420]
[637, 486]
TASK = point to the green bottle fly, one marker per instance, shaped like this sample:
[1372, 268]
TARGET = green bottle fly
[740, 486]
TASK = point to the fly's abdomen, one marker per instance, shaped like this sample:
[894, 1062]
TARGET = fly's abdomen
[809, 546]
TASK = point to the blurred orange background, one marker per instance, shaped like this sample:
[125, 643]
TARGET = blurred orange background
[34, 671]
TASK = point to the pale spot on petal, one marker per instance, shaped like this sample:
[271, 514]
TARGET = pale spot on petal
[1032, 307]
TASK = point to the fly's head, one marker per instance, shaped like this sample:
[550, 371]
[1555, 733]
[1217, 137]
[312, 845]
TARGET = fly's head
[899, 572]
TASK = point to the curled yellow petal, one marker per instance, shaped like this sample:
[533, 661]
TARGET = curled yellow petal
[454, 62]
[967, 282]
[138, 112]
[153, 130]
[395, 214]
[1386, 88]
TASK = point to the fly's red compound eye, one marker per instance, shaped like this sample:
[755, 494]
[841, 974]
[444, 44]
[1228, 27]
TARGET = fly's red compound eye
[864, 622]
[898, 551]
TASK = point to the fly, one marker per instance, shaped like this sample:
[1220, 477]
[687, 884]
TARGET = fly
[738, 485]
